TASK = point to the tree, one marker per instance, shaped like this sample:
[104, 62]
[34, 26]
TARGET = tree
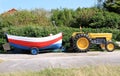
[112, 5]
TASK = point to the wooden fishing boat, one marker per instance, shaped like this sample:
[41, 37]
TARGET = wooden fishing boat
[36, 45]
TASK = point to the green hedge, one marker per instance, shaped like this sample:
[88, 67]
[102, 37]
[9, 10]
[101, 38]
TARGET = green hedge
[40, 31]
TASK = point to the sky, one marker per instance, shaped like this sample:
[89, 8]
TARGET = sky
[6, 5]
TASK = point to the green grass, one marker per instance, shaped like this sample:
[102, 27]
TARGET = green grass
[83, 71]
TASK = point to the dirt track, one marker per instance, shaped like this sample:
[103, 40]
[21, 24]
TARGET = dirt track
[25, 62]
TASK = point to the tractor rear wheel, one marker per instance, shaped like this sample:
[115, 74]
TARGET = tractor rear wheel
[110, 46]
[81, 43]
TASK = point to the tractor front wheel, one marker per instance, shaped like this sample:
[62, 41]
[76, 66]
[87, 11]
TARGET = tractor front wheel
[110, 46]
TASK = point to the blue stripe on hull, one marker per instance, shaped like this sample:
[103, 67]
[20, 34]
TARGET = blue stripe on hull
[19, 46]
[51, 47]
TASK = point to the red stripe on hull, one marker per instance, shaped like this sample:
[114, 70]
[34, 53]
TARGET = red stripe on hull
[34, 44]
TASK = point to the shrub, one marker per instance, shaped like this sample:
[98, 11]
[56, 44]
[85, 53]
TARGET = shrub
[25, 17]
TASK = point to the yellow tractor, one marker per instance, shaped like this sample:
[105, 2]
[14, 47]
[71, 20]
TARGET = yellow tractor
[80, 42]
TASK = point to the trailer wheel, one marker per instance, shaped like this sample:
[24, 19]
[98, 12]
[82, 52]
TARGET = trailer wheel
[34, 51]
[81, 43]
[110, 46]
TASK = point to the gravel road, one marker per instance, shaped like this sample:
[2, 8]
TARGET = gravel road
[26, 62]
